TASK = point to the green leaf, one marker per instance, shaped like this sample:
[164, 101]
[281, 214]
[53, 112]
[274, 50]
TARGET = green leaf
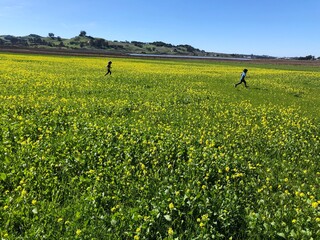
[113, 222]
[3, 176]
[168, 217]
[281, 235]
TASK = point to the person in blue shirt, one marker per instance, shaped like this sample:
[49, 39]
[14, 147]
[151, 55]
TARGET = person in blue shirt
[242, 79]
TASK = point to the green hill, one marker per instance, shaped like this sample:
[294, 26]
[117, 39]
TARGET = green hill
[99, 44]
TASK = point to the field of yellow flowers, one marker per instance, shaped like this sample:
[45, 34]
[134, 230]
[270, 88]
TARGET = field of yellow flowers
[161, 149]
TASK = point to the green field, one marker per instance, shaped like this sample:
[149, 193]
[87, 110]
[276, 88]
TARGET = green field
[161, 149]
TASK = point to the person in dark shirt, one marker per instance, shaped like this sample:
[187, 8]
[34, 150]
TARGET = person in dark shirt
[108, 68]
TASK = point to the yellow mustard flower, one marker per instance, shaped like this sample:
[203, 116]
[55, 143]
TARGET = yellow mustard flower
[171, 206]
[170, 231]
[78, 232]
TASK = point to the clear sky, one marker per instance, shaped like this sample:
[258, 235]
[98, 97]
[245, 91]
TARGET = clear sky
[263, 27]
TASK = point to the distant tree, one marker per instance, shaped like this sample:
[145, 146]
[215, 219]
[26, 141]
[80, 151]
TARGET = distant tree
[1, 42]
[59, 39]
[137, 44]
[43, 42]
[34, 36]
[82, 34]
[162, 44]
[18, 41]
[14, 40]
[98, 43]
[309, 57]
[38, 40]
[51, 35]
[151, 49]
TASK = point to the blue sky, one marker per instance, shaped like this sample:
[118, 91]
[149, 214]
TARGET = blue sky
[265, 27]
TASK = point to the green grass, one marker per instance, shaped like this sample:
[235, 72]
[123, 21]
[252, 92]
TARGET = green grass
[159, 150]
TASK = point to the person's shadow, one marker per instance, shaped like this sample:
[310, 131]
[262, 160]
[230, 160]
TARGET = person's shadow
[260, 89]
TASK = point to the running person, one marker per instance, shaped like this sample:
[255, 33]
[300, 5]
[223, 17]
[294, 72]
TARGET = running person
[108, 68]
[242, 79]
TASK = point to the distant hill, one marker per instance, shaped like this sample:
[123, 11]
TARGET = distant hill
[88, 43]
